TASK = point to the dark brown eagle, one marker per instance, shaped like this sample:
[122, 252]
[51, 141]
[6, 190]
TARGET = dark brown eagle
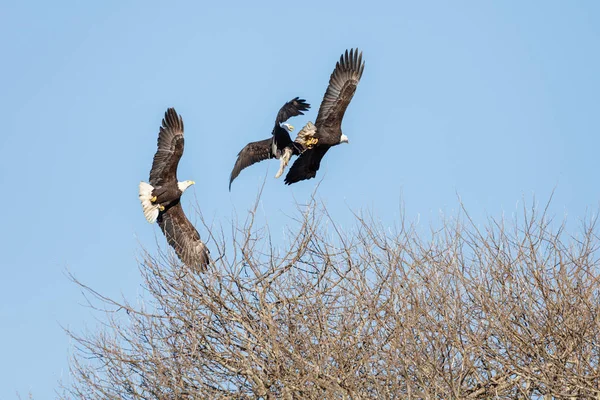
[279, 145]
[161, 197]
[327, 130]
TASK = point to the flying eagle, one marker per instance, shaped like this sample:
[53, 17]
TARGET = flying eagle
[279, 145]
[161, 197]
[328, 126]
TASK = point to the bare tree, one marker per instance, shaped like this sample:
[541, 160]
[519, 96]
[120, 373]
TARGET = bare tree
[510, 310]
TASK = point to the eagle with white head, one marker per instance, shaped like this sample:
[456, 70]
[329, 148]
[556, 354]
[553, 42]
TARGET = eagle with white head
[161, 197]
[327, 129]
[279, 145]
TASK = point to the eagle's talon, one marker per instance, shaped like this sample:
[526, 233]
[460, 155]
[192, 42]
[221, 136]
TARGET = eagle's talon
[153, 199]
[161, 207]
[312, 141]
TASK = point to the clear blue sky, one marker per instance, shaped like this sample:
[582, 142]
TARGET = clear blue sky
[495, 101]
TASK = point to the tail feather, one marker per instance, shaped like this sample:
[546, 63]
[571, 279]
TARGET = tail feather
[150, 210]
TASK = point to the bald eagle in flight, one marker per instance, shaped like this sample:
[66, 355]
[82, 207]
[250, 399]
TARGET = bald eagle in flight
[327, 130]
[279, 145]
[161, 197]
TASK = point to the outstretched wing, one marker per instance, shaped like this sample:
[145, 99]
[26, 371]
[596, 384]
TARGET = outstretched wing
[291, 109]
[342, 85]
[250, 154]
[307, 165]
[170, 149]
[184, 238]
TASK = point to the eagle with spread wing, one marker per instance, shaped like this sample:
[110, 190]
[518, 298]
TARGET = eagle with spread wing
[327, 129]
[279, 145]
[161, 197]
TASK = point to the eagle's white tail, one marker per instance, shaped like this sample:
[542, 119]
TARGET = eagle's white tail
[283, 161]
[150, 210]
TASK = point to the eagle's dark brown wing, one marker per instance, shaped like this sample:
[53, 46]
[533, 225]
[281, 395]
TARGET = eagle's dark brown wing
[170, 149]
[307, 165]
[291, 109]
[184, 238]
[250, 154]
[342, 85]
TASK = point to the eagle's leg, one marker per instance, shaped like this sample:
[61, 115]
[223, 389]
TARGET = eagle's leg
[306, 136]
[283, 161]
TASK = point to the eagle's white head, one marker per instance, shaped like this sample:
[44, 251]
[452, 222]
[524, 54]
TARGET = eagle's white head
[344, 139]
[288, 128]
[184, 185]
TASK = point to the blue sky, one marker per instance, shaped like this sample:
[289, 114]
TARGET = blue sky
[493, 101]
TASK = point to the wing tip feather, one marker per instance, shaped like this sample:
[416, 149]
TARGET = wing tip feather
[172, 120]
[350, 62]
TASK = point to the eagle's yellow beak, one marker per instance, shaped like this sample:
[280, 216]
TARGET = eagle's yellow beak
[291, 128]
[192, 183]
